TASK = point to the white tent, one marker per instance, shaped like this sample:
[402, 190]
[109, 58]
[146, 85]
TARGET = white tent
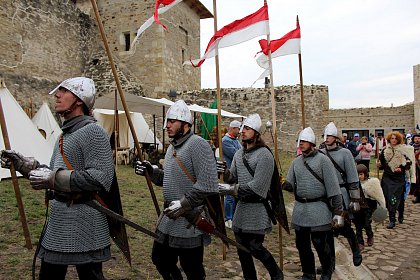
[24, 137]
[105, 118]
[45, 120]
[153, 106]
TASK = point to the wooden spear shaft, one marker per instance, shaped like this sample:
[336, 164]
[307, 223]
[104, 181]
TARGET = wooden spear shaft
[276, 154]
[124, 103]
[302, 100]
[219, 112]
[15, 182]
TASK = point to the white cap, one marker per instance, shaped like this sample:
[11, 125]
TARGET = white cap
[235, 123]
[178, 111]
[307, 135]
[82, 87]
[252, 121]
[330, 130]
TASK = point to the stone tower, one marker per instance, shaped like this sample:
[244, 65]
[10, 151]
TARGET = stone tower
[157, 59]
[416, 80]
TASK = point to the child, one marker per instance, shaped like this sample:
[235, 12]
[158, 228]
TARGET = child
[373, 194]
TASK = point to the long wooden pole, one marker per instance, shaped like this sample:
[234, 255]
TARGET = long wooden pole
[276, 153]
[219, 111]
[124, 103]
[22, 215]
[302, 100]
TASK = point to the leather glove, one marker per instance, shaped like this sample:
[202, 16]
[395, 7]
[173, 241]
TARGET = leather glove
[338, 221]
[42, 178]
[22, 164]
[177, 208]
[142, 166]
[354, 206]
[227, 189]
[221, 167]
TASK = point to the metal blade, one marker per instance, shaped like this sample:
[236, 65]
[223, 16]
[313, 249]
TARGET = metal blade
[230, 241]
[120, 218]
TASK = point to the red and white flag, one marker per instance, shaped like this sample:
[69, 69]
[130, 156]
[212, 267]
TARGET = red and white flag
[288, 44]
[237, 32]
[156, 13]
[167, 5]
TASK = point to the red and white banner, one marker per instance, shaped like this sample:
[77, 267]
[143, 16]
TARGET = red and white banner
[237, 32]
[288, 44]
[156, 13]
[168, 4]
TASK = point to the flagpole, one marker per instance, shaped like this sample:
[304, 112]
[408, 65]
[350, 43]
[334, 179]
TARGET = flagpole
[124, 103]
[219, 112]
[276, 155]
[302, 101]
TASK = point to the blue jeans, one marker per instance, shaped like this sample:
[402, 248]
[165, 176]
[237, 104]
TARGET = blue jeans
[230, 205]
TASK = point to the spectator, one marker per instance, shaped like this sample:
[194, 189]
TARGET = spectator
[353, 145]
[415, 186]
[394, 161]
[364, 148]
[230, 145]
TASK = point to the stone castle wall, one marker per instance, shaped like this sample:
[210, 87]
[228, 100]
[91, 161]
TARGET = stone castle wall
[42, 42]
[245, 101]
[379, 118]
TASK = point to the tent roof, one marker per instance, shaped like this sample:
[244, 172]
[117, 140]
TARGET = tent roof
[24, 137]
[153, 106]
[105, 118]
[45, 120]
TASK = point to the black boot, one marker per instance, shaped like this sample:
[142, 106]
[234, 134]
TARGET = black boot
[307, 276]
[416, 199]
[357, 255]
[391, 220]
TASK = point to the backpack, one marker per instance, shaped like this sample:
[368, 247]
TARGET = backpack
[274, 203]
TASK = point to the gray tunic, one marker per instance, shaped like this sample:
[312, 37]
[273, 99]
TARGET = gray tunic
[253, 217]
[80, 228]
[196, 156]
[312, 214]
[345, 160]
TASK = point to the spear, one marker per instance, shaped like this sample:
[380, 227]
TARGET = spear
[124, 103]
[276, 154]
[219, 112]
[302, 101]
[15, 182]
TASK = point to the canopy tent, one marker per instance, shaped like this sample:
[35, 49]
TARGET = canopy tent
[24, 136]
[135, 103]
[153, 106]
[105, 118]
[45, 120]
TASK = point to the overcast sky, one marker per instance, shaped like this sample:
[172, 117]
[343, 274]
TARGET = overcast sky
[363, 50]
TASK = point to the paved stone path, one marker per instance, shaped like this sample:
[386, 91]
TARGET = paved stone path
[394, 254]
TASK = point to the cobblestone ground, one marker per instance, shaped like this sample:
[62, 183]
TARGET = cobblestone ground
[394, 255]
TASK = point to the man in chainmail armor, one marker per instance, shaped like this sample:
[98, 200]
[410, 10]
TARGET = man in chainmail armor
[75, 233]
[250, 177]
[348, 179]
[189, 176]
[318, 205]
